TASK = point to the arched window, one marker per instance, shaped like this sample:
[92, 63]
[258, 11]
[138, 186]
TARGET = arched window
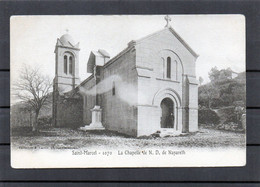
[70, 65]
[168, 72]
[65, 64]
[114, 88]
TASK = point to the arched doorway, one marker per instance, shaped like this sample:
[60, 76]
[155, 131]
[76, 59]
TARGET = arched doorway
[167, 115]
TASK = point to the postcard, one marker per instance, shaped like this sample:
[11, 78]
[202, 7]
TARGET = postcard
[128, 91]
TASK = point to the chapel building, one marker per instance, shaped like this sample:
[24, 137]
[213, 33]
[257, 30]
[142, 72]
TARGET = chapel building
[148, 87]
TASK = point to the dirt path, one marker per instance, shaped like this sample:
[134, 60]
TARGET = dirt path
[71, 139]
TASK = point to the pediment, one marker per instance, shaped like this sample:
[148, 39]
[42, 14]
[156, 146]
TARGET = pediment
[175, 34]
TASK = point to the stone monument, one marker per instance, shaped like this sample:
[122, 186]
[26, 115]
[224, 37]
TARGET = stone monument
[96, 123]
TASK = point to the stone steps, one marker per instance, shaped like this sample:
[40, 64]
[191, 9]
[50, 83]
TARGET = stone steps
[170, 132]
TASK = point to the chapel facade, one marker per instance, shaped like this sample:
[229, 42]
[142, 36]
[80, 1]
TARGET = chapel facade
[148, 87]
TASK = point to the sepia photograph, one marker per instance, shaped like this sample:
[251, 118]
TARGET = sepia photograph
[128, 91]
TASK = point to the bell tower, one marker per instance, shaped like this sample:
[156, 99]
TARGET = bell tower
[66, 64]
[66, 74]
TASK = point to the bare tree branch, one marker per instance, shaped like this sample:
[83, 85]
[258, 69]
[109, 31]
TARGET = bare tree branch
[32, 88]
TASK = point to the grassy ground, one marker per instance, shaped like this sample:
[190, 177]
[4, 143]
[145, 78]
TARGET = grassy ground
[64, 138]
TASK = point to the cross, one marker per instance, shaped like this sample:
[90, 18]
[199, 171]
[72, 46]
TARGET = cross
[67, 30]
[167, 19]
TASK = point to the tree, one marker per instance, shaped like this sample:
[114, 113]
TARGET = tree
[33, 89]
[207, 95]
[225, 74]
[214, 74]
[201, 80]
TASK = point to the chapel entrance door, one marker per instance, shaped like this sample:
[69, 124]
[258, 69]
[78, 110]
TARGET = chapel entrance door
[167, 117]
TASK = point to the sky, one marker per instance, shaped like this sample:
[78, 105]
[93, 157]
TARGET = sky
[218, 39]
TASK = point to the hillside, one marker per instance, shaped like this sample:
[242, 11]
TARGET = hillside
[223, 100]
[21, 115]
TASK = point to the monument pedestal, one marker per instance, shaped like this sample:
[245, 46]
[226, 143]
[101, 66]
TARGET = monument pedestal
[96, 120]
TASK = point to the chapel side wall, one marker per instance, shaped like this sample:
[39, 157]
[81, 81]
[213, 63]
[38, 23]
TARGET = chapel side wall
[88, 93]
[119, 111]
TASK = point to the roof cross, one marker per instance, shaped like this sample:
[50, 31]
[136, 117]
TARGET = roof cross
[167, 19]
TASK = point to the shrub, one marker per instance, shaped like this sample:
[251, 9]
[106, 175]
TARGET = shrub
[232, 117]
[44, 121]
[207, 116]
[21, 131]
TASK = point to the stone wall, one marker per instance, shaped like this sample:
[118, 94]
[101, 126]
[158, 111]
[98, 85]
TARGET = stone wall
[69, 112]
[119, 111]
